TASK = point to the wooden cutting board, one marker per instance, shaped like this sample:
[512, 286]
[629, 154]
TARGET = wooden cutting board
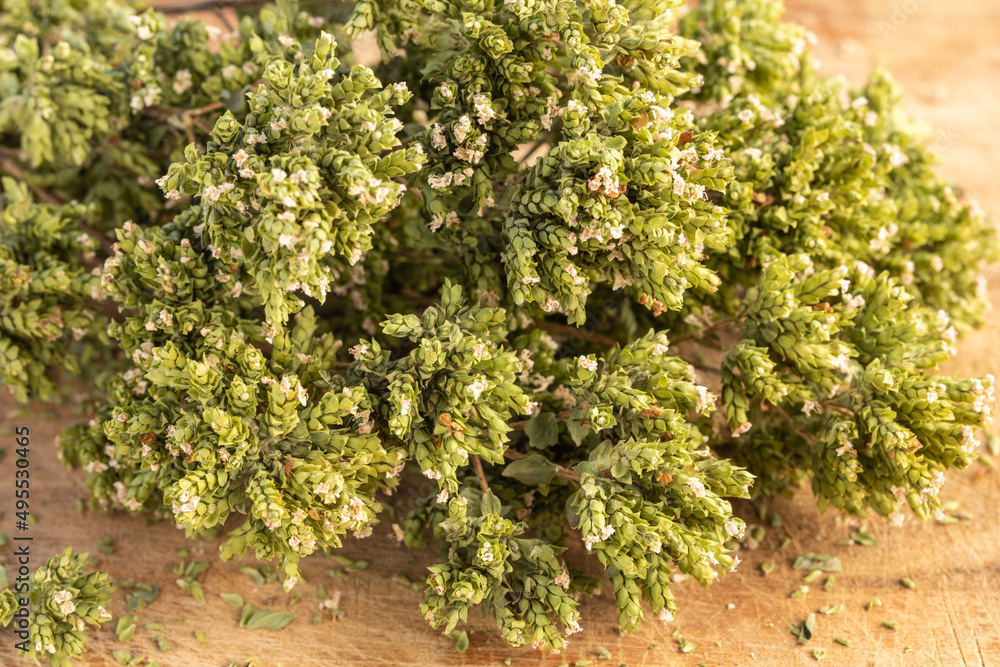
[947, 57]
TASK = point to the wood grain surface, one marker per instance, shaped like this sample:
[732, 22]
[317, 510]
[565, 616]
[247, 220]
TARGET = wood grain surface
[947, 57]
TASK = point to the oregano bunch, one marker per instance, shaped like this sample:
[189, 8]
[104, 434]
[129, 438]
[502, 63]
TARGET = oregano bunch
[62, 602]
[575, 273]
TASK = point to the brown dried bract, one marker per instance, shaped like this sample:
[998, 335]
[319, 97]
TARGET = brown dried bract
[640, 121]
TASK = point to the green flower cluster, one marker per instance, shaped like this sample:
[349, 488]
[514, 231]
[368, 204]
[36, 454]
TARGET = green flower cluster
[519, 581]
[526, 265]
[48, 293]
[852, 263]
[61, 601]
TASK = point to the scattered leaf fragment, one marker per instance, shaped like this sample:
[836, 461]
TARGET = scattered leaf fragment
[864, 538]
[822, 562]
[461, 639]
[254, 618]
[232, 599]
[804, 630]
[106, 545]
[143, 596]
[812, 576]
[126, 628]
[686, 646]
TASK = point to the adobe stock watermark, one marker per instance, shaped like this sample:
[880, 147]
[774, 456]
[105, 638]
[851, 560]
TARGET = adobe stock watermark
[942, 139]
[900, 16]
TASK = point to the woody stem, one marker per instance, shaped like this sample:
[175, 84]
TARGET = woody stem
[479, 473]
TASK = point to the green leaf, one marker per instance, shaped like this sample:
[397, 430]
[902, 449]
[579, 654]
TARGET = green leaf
[461, 638]
[232, 599]
[143, 596]
[822, 562]
[255, 619]
[542, 431]
[532, 470]
[574, 425]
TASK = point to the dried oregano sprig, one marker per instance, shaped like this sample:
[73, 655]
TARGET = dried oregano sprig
[48, 291]
[62, 600]
[519, 581]
[835, 200]
[581, 165]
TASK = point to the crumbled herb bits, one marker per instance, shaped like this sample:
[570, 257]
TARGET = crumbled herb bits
[821, 562]
[804, 631]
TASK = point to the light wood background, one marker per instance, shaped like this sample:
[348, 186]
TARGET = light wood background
[947, 57]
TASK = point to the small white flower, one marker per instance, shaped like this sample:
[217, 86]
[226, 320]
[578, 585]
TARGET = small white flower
[741, 429]
[734, 528]
[811, 407]
[182, 81]
[705, 399]
[696, 486]
[587, 363]
[461, 129]
[970, 444]
[476, 389]
[551, 305]
[845, 448]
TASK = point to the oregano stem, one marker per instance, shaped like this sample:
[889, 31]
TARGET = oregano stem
[478, 465]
